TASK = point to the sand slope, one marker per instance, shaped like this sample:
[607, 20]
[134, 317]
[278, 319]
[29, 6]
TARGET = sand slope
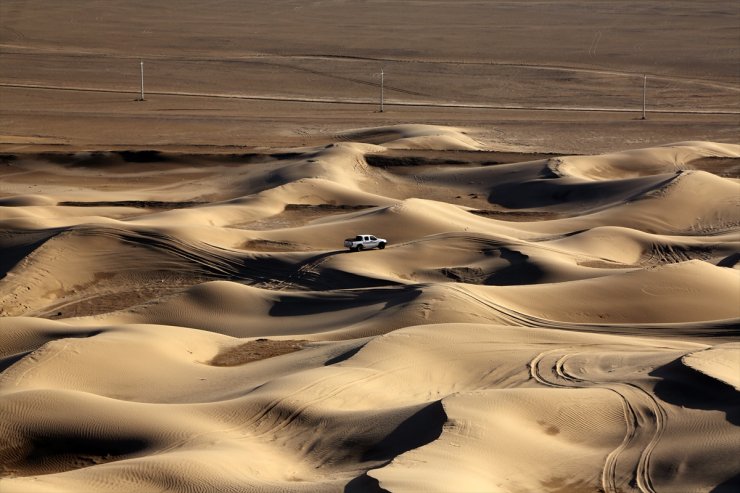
[192, 322]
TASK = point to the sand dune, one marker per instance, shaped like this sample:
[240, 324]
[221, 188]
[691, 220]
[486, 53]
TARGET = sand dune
[192, 322]
[415, 137]
[720, 362]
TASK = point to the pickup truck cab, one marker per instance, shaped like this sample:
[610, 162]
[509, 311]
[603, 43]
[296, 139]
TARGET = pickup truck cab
[364, 242]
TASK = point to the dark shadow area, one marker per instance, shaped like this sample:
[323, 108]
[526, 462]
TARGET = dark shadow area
[344, 356]
[419, 429]
[142, 156]
[9, 361]
[518, 216]
[247, 158]
[10, 256]
[283, 156]
[407, 295]
[732, 485]
[519, 271]
[73, 158]
[422, 157]
[551, 192]
[305, 274]
[683, 386]
[327, 207]
[54, 453]
[269, 268]
[729, 261]
[263, 267]
[72, 335]
[257, 158]
[338, 279]
[381, 161]
[16, 245]
[141, 204]
[111, 158]
[295, 306]
[44, 448]
[105, 159]
[364, 484]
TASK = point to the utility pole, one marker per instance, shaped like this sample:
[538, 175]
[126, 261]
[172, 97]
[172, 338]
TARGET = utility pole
[644, 96]
[141, 64]
[381, 89]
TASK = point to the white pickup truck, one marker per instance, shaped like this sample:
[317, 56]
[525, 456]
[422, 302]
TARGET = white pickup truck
[364, 242]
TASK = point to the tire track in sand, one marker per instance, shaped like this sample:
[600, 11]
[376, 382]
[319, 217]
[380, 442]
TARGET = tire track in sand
[645, 419]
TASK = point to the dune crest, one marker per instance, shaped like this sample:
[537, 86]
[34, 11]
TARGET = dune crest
[431, 137]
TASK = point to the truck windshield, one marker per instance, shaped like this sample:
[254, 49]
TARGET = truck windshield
[358, 238]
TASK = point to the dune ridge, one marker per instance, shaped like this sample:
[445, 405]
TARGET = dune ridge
[568, 323]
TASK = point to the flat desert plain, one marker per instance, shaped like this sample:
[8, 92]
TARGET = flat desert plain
[556, 309]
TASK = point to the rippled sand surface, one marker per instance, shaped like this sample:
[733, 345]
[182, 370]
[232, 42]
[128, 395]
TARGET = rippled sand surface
[192, 322]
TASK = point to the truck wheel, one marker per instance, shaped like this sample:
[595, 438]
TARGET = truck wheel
[359, 248]
[381, 246]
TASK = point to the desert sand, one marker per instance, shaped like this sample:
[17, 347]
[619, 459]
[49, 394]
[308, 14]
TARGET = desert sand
[557, 309]
[192, 322]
